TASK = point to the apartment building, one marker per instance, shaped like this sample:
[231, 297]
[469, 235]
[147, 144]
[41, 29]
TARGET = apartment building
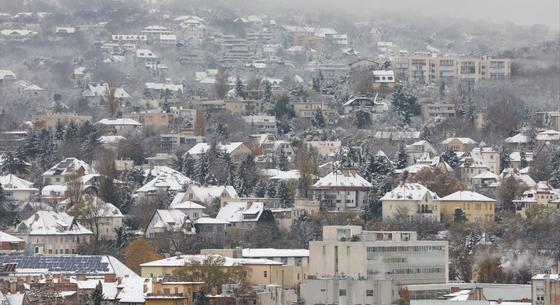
[476, 207]
[342, 190]
[545, 289]
[412, 201]
[307, 110]
[437, 110]
[378, 255]
[261, 124]
[426, 69]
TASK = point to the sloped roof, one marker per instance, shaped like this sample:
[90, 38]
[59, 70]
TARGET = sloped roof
[119, 122]
[344, 178]
[181, 260]
[234, 211]
[518, 138]
[13, 183]
[184, 205]
[168, 181]
[466, 196]
[68, 166]
[409, 191]
[201, 148]
[52, 223]
[5, 237]
[270, 252]
[210, 192]
[462, 140]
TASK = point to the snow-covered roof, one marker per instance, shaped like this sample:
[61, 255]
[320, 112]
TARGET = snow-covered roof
[53, 190]
[166, 181]
[170, 219]
[7, 73]
[103, 91]
[110, 139]
[178, 203]
[342, 179]
[547, 135]
[13, 183]
[236, 211]
[164, 86]
[412, 169]
[5, 237]
[462, 140]
[209, 220]
[516, 156]
[201, 148]
[276, 174]
[466, 196]
[69, 166]
[181, 260]
[270, 252]
[519, 138]
[52, 223]
[119, 122]
[133, 290]
[145, 53]
[210, 192]
[486, 175]
[410, 191]
[160, 170]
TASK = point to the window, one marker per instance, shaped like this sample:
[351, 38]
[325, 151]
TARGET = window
[369, 292]
[342, 292]
[265, 274]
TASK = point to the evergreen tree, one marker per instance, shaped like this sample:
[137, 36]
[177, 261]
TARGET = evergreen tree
[86, 129]
[555, 169]
[362, 119]
[203, 168]
[260, 190]
[405, 104]
[13, 165]
[240, 88]
[246, 176]
[523, 159]
[220, 133]
[271, 189]
[285, 195]
[96, 296]
[504, 159]
[166, 95]
[59, 131]
[318, 120]
[125, 199]
[89, 146]
[189, 165]
[229, 169]
[2, 194]
[45, 150]
[283, 162]
[450, 157]
[71, 132]
[121, 239]
[402, 158]
[267, 95]
[459, 216]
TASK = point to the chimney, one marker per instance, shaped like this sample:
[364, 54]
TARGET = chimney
[110, 278]
[13, 287]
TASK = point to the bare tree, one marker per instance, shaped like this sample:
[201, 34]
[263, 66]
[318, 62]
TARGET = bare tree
[112, 100]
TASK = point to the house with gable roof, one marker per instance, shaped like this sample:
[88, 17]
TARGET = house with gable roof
[342, 190]
[16, 188]
[53, 233]
[476, 207]
[413, 201]
[64, 170]
[168, 221]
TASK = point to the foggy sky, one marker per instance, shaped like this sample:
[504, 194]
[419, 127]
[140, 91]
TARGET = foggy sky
[523, 12]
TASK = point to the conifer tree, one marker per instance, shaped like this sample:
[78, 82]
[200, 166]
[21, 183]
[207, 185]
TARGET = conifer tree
[96, 296]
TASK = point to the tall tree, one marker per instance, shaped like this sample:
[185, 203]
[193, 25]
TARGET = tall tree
[71, 132]
[139, 252]
[96, 295]
[362, 119]
[283, 162]
[286, 195]
[108, 190]
[200, 124]
[555, 170]
[240, 88]
[112, 101]
[189, 165]
[12, 164]
[402, 158]
[318, 120]
[304, 164]
[221, 86]
[212, 272]
[405, 104]
[203, 168]
[267, 95]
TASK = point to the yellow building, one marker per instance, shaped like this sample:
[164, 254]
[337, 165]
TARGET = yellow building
[172, 293]
[51, 120]
[458, 144]
[259, 271]
[153, 120]
[476, 207]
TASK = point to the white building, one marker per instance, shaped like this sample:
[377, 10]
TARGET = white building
[342, 190]
[53, 233]
[262, 124]
[413, 201]
[16, 188]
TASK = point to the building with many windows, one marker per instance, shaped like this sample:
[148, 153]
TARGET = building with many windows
[395, 255]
